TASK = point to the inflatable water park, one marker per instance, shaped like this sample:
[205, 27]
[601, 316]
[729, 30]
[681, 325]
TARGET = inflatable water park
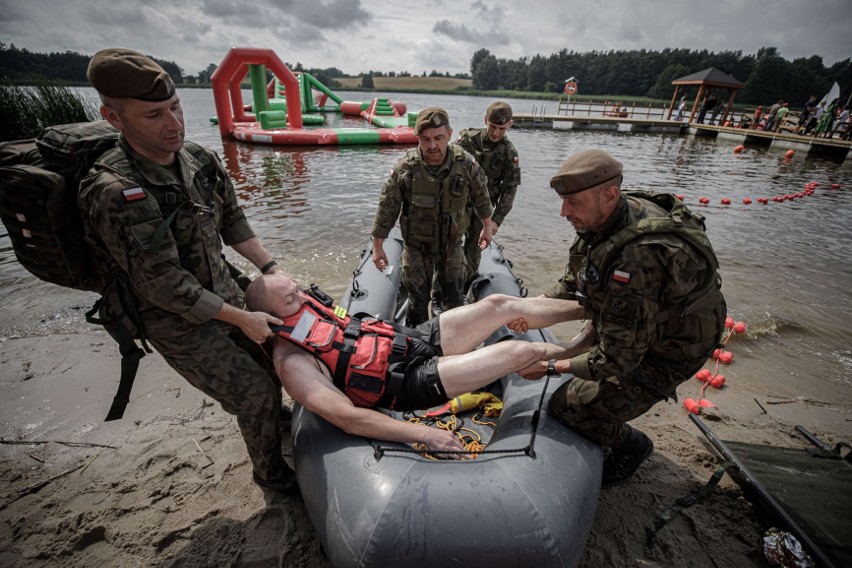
[289, 109]
[528, 498]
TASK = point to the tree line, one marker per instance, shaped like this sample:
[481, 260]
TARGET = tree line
[634, 73]
[643, 73]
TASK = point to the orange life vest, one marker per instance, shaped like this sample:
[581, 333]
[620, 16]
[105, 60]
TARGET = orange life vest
[358, 352]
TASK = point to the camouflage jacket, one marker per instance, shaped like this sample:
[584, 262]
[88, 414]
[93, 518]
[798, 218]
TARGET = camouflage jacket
[649, 293]
[468, 192]
[181, 279]
[501, 165]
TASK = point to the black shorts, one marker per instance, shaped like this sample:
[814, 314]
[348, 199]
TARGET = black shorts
[421, 385]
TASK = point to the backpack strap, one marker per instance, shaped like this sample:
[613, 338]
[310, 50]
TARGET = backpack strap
[131, 353]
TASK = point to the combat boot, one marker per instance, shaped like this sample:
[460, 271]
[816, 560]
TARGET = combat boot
[623, 461]
[285, 483]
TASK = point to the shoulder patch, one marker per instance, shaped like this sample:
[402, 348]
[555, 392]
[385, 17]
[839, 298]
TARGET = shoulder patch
[620, 310]
[621, 276]
[134, 194]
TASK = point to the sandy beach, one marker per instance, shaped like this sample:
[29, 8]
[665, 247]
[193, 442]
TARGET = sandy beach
[170, 483]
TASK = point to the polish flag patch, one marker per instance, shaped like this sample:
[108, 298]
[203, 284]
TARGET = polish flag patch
[133, 194]
[621, 276]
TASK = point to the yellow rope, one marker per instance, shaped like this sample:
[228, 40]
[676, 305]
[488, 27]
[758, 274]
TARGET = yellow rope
[470, 439]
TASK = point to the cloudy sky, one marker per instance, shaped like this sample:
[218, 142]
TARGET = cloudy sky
[417, 36]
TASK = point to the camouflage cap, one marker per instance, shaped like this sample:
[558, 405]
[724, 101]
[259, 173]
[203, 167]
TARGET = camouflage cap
[126, 74]
[585, 170]
[431, 117]
[498, 113]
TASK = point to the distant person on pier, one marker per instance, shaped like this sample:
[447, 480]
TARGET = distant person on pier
[432, 191]
[781, 116]
[498, 157]
[681, 107]
[808, 109]
[756, 118]
[814, 119]
[771, 116]
[825, 123]
[709, 104]
[841, 125]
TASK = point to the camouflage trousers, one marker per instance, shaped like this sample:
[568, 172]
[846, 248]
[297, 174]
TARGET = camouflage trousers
[472, 253]
[599, 410]
[224, 364]
[423, 272]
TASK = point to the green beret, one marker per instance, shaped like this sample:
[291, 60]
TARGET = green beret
[126, 74]
[431, 117]
[498, 113]
[585, 170]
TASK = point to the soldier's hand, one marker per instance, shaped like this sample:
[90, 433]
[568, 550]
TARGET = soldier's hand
[255, 325]
[494, 228]
[442, 440]
[518, 326]
[380, 259]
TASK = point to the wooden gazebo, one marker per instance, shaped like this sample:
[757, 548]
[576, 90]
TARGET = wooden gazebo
[707, 81]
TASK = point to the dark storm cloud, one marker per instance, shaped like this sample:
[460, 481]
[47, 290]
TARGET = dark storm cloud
[356, 35]
[461, 32]
[332, 14]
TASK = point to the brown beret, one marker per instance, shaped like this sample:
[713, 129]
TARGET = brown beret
[431, 117]
[585, 170]
[498, 113]
[126, 74]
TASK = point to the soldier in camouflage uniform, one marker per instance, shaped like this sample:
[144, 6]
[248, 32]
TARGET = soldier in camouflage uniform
[156, 211]
[645, 271]
[499, 159]
[431, 190]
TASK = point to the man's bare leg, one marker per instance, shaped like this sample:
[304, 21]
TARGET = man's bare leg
[469, 371]
[463, 328]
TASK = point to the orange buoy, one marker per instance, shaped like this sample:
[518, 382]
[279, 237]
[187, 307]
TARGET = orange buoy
[763, 200]
[680, 196]
[716, 353]
[726, 357]
[739, 327]
[729, 322]
[704, 200]
[835, 186]
[718, 381]
[746, 201]
[789, 153]
[691, 406]
[703, 375]
[726, 201]
[704, 403]
[738, 149]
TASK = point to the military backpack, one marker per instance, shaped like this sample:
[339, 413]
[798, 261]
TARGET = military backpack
[39, 181]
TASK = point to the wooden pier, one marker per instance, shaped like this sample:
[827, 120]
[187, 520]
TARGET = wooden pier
[832, 149]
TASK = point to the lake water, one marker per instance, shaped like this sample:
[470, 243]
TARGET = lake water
[786, 266]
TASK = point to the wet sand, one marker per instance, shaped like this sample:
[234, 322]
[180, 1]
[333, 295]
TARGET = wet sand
[170, 483]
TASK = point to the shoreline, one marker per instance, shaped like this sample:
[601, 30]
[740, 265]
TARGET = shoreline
[174, 488]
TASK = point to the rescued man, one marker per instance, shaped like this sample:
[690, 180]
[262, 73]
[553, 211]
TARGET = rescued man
[644, 270]
[157, 211]
[432, 190]
[434, 363]
[498, 157]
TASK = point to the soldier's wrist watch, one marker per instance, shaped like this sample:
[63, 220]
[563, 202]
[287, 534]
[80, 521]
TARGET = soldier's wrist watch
[551, 369]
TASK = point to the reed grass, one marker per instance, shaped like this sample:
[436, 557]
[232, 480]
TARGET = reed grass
[25, 111]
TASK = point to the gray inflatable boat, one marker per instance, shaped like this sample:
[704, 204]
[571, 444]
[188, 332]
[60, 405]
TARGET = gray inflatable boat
[528, 500]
